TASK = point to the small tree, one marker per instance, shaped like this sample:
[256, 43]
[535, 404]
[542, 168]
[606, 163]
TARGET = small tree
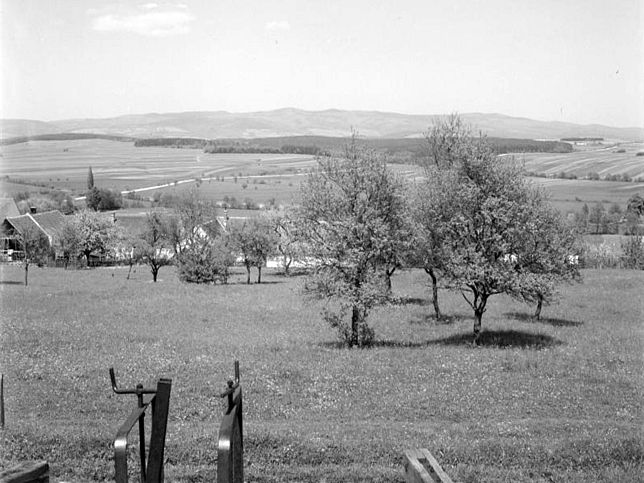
[255, 240]
[206, 262]
[153, 247]
[489, 224]
[284, 226]
[449, 143]
[597, 217]
[87, 232]
[428, 247]
[636, 205]
[349, 219]
[35, 246]
[202, 249]
[633, 251]
[90, 179]
[549, 256]
[103, 199]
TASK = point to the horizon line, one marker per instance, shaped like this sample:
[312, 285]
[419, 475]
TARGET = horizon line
[287, 108]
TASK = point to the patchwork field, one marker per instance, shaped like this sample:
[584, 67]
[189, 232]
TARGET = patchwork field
[604, 160]
[263, 178]
[559, 400]
[121, 166]
[570, 195]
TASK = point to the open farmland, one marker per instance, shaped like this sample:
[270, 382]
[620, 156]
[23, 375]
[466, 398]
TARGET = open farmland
[601, 159]
[121, 166]
[559, 400]
[570, 195]
[271, 177]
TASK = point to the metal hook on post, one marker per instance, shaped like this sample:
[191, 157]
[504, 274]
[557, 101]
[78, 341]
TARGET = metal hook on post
[139, 390]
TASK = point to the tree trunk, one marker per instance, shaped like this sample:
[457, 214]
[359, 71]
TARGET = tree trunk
[388, 275]
[155, 272]
[87, 254]
[437, 309]
[26, 272]
[480, 302]
[478, 315]
[355, 324]
[259, 274]
[537, 313]
[130, 270]
[248, 273]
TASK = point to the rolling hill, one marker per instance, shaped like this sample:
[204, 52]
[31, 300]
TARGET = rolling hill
[296, 122]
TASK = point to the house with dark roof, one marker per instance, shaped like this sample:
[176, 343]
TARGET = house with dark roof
[49, 223]
[8, 208]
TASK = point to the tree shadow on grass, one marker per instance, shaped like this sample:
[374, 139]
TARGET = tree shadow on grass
[11, 282]
[501, 338]
[430, 319]
[406, 300]
[254, 282]
[378, 343]
[492, 338]
[523, 317]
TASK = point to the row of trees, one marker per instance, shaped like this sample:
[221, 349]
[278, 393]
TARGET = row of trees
[473, 223]
[599, 220]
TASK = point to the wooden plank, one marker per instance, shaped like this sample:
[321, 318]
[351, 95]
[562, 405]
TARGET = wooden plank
[422, 467]
[27, 472]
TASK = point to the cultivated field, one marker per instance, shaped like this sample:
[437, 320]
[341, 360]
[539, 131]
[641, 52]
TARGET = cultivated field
[271, 177]
[570, 195]
[121, 166]
[559, 400]
[604, 160]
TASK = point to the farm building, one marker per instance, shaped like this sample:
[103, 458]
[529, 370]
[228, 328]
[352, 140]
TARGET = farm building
[8, 208]
[49, 223]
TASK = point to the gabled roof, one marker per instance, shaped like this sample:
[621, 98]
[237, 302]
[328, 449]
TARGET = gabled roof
[20, 223]
[8, 208]
[50, 223]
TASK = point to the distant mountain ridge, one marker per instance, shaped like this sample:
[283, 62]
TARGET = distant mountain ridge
[297, 122]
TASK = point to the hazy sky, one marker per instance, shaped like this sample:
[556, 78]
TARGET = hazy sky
[566, 60]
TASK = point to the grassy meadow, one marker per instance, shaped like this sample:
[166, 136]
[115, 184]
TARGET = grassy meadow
[557, 400]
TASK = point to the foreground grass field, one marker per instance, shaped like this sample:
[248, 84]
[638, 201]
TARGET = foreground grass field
[559, 400]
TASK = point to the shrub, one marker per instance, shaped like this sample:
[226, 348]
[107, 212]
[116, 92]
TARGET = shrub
[600, 256]
[206, 264]
[103, 199]
[633, 252]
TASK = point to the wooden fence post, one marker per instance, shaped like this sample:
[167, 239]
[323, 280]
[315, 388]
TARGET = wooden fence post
[1, 401]
[30, 472]
[422, 467]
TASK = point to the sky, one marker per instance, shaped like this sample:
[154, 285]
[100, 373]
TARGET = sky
[576, 61]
